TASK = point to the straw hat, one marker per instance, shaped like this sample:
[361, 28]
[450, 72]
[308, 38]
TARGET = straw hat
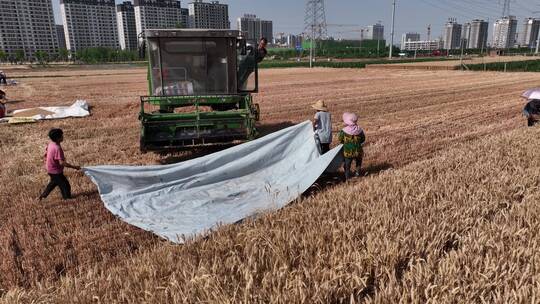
[320, 106]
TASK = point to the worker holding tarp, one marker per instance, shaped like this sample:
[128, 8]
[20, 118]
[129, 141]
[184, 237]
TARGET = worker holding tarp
[322, 125]
[55, 162]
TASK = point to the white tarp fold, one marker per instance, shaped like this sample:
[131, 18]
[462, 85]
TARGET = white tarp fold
[77, 109]
[192, 197]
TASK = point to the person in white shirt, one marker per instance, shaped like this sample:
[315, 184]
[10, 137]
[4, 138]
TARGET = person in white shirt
[322, 125]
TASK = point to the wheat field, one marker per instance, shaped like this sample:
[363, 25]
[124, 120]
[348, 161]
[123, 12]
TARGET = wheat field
[445, 212]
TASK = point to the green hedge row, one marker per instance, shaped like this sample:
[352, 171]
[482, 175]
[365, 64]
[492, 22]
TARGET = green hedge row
[267, 64]
[515, 66]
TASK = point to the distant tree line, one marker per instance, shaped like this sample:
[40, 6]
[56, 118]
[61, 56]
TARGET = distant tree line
[87, 56]
[104, 55]
[513, 66]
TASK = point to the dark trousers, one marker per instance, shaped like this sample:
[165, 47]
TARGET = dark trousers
[61, 181]
[325, 148]
[348, 164]
[3, 79]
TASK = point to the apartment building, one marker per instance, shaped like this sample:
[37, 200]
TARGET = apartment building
[504, 32]
[127, 30]
[475, 34]
[374, 32]
[529, 32]
[452, 35]
[27, 26]
[409, 37]
[211, 15]
[254, 28]
[158, 14]
[89, 23]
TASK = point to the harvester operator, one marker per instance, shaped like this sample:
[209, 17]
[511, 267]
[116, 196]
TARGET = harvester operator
[247, 66]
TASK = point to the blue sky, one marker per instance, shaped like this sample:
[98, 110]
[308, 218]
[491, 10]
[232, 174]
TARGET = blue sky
[412, 15]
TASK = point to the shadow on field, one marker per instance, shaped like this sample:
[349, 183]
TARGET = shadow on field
[90, 194]
[12, 102]
[266, 129]
[328, 180]
[376, 169]
[177, 157]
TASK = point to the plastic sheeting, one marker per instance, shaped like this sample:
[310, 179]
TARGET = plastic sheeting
[77, 109]
[190, 198]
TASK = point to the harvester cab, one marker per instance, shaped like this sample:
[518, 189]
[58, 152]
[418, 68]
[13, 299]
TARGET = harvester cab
[200, 85]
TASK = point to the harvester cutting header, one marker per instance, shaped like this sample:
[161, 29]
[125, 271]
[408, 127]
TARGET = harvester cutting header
[200, 85]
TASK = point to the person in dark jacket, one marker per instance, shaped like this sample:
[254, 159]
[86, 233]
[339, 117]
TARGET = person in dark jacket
[3, 78]
[532, 112]
[247, 65]
[3, 100]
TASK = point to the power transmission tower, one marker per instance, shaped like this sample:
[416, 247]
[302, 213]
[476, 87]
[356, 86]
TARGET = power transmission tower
[315, 24]
[506, 8]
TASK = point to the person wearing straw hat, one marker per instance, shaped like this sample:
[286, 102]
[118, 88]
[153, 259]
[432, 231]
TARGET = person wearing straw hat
[322, 125]
[352, 137]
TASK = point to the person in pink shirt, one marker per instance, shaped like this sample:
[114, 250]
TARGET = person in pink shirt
[55, 162]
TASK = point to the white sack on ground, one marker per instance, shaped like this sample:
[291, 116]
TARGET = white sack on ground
[77, 109]
[194, 196]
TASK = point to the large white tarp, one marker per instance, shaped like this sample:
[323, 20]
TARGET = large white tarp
[193, 197]
[78, 109]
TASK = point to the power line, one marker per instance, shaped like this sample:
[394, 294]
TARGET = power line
[455, 12]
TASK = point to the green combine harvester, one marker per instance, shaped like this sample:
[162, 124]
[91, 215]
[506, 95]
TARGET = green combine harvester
[200, 85]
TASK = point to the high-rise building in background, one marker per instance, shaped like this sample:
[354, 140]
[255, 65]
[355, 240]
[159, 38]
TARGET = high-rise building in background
[452, 34]
[504, 32]
[184, 15]
[475, 34]
[287, 40]
[409, 37]
[429, 45]
[466, 34]
[374, 32]
[158, 14]
[211, 15]
[27, 26]
[61, 37]
[529, 32]
[89, 23]
[127, 30]
[254, 28]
